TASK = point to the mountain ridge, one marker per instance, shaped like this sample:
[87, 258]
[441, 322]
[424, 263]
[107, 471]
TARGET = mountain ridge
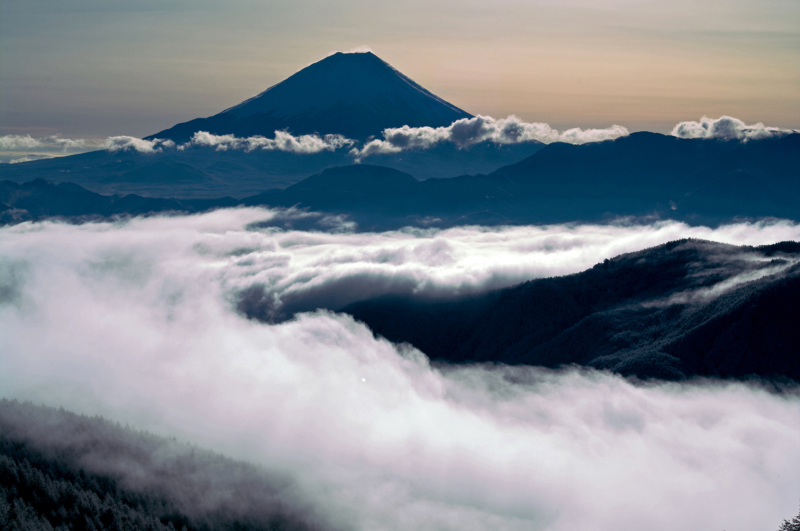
[710, 183]
[660, 312]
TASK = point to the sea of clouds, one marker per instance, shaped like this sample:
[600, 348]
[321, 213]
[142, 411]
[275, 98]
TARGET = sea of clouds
[462, 133]
[137, 321]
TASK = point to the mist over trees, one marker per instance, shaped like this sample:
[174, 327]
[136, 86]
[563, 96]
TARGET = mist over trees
[791, 525]
[62, 471]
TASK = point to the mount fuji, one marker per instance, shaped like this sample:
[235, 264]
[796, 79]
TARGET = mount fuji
[357, 95]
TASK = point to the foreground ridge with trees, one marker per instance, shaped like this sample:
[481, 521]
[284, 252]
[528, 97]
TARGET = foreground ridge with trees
[61, 471]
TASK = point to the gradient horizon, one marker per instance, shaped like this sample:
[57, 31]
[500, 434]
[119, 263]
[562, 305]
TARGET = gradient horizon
[91, 68]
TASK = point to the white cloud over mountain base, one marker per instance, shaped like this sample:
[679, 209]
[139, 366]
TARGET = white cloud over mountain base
[462, 133]
[468, 131]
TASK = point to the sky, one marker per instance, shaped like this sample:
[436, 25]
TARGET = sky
[97, 68]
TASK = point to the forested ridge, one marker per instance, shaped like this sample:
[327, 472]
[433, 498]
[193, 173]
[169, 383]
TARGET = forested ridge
[685, 308]
[63, 471]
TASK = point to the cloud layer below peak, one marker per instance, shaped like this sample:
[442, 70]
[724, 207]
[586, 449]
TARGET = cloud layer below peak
[283, 141]
[136, 321]
[461, 133]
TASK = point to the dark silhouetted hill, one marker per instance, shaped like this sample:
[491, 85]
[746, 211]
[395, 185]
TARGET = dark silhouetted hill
[201, 172]
[682, 309]
[648, 172]
[40, 199]
[192, 173]
[643, 175]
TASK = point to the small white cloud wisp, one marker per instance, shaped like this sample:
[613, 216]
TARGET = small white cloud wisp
[135, 321]
[50, 143]
[469, 131]
[130, 143]
[283, 141]
[727, 128]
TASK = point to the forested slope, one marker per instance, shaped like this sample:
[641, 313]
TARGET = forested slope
[685, 308]
[64, 471]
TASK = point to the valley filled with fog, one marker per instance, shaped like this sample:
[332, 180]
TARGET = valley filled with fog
[141, 322]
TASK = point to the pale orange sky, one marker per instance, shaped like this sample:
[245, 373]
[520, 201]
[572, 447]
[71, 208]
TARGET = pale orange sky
[95, 68]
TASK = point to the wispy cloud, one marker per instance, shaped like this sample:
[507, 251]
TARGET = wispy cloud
[702, 295]
[136, 321]
[727, 128]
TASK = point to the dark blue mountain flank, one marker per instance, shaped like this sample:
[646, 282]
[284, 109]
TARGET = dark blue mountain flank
[682, 309]
[446, 160]
[194, 173]
[203, 173]
[65, 471]
[649, 170]
[645, 175]
[40, 199]
[352, 94]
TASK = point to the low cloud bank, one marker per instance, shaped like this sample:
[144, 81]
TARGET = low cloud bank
[51, 144]
[130, 143]
[280, 272]
[29, 157]
[283, 141]
[134, 321]
[37, 148]
[468, 131]
[727, 128]
[463, 133]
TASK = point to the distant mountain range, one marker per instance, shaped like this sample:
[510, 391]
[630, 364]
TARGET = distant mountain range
[641, 175]
[644, 175]
[686, 308]
[357, 95]
[204, 173]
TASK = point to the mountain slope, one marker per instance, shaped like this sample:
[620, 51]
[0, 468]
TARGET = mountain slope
[352, 94]
[40, 199]
[241, 174]
[681, 309]
[66, 471]
[645, 174]
[648, 171]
